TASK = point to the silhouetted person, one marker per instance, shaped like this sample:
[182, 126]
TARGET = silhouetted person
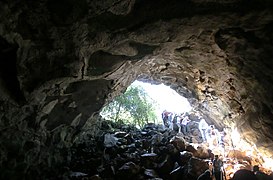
[244, 174]
[271, 176]
[165, 118]
[217, 168]
[211, 155]
[260, 175]
[175, 125]
[205, 176]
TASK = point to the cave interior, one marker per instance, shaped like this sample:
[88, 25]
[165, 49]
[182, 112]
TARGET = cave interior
[62, 61]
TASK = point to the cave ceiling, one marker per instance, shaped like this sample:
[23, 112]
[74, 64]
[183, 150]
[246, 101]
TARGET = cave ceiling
[64, 60]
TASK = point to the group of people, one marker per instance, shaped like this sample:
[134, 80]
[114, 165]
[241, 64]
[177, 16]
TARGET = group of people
[177, 122]
[182, 122]
[167, 118]
[211, 134]
[217, 172]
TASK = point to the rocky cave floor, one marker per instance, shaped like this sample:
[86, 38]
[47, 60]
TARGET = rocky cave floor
[120, 151]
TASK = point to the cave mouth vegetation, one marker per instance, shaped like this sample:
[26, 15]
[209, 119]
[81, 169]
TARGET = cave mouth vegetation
[63, 62]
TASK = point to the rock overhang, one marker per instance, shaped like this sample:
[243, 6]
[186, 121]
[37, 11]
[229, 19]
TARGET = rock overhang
[216, 54]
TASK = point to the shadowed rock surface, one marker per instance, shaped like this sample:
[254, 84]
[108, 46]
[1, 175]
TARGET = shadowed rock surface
[62, 61]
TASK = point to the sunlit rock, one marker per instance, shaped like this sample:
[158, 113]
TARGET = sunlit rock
[179, 143]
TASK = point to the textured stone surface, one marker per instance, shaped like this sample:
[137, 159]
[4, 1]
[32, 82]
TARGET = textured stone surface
[61, 61]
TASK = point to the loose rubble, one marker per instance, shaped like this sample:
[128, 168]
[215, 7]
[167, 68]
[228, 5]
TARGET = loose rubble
[124, 152]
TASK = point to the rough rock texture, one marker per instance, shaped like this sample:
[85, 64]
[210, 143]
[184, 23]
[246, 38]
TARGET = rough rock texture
[61, 61]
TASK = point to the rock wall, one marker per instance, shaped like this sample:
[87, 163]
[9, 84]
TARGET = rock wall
[61, 61]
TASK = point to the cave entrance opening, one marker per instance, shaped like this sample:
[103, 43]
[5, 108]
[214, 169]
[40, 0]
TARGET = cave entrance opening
[144, 103]
[235, 152]
[164, 99]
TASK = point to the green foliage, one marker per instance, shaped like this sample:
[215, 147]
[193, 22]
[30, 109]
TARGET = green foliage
[133, 107]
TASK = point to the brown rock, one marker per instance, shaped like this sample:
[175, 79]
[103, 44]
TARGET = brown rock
[191, 149]
[202, 153]
[239, 155]
[197, 167]
[185, 156]
[178, 142]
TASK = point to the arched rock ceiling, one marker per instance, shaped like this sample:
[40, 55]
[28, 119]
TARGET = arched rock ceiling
[61, 61]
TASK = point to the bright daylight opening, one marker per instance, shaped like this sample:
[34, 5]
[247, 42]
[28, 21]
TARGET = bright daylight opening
[144, 103]
[165, 99]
